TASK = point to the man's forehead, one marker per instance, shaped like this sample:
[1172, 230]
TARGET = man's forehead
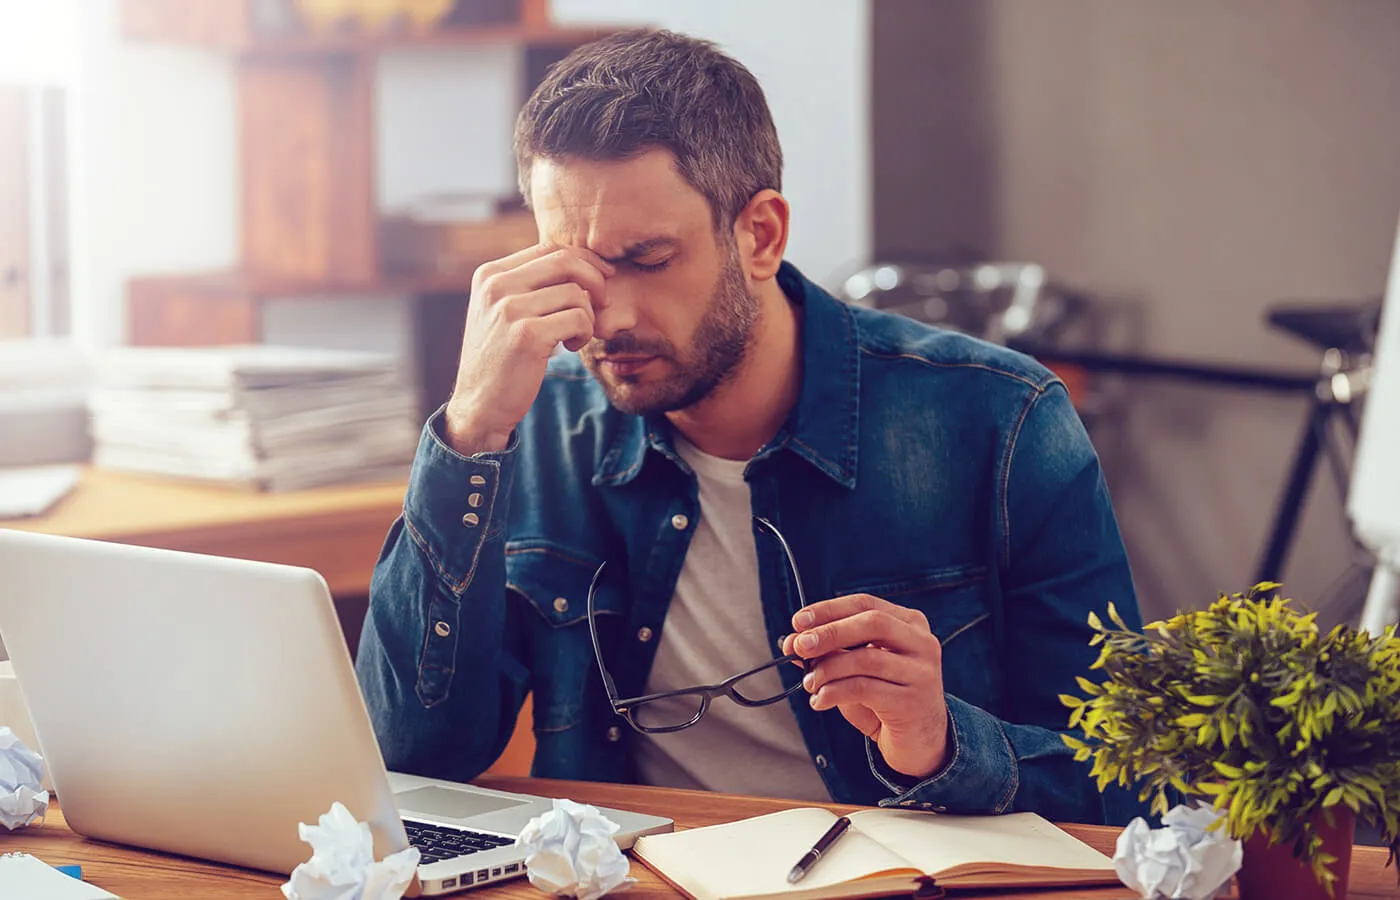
[615, 205]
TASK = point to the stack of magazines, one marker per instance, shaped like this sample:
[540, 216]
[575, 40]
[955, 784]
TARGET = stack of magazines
[267, 417]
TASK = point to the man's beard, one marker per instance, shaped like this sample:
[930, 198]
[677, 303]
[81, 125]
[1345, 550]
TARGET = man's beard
[721, 341]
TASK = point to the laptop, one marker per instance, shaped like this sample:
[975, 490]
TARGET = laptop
[204, 706]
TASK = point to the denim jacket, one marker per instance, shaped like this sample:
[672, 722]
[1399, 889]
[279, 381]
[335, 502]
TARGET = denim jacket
[936, 471]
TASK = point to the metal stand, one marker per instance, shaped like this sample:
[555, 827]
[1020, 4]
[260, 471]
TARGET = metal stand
[1383, 599]
[1339, 386]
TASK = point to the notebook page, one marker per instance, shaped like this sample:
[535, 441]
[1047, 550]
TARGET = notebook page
[754, 856]
[22, 875]
[936, 842]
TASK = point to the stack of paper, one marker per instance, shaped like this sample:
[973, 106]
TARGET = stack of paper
[277, 418]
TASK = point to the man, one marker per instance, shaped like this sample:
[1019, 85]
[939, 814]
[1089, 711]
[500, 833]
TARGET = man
[948, 524]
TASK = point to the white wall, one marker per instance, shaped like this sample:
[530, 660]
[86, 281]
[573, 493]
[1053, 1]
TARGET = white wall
[812, 58]
[1192, 162]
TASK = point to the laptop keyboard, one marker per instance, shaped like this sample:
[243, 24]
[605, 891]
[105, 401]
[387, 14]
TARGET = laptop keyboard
[439, 842]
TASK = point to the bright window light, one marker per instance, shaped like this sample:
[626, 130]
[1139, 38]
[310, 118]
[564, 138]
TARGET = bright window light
[38, 40]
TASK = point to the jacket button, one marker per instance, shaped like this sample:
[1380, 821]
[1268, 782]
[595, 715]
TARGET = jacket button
[475, 500]
[644, 634]
[478, 479]
[471, 520]
[679, 522]
[614, 734]
[821, 761]
[442, 629]
[561, 605]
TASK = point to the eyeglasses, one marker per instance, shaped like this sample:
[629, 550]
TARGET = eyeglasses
[674, 710]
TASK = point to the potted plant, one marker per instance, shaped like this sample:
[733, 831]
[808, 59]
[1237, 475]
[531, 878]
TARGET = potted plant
[1247, 705]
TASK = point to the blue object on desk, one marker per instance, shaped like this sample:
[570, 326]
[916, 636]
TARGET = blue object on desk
[71, 871]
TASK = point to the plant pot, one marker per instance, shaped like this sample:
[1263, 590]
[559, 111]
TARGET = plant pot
[1271, 873]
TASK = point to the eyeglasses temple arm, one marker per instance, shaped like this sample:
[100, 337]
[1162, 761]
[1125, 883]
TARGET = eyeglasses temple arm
[792, 561]
[593, 632]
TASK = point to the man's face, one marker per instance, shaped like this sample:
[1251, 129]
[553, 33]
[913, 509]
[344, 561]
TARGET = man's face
[679, 315]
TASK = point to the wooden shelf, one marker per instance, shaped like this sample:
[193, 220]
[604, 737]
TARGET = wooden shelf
[310, 223]
[228, 25]
[211, 308]
[369, 44]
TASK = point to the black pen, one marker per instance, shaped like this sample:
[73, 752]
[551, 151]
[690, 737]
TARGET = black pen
[823, 844]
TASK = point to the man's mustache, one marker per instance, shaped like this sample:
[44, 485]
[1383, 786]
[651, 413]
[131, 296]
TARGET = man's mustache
[624, 344]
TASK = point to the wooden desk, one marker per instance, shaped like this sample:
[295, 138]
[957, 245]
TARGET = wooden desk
[335, 530]
[141, 875]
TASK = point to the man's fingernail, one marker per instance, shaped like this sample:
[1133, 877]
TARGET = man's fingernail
[813, 702]
[804, 619]
[808, 680]
[807, 643]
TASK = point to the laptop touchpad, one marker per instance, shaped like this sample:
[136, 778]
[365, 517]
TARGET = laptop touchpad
[445, 802]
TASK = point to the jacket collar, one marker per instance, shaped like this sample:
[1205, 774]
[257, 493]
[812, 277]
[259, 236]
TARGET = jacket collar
[821, 429]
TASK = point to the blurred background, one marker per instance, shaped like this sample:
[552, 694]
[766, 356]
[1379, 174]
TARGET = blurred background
[1188, 209]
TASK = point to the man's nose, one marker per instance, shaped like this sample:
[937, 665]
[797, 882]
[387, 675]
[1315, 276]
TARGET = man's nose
[618, 313]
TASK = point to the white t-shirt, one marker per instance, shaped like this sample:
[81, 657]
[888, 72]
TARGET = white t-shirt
[714, 629]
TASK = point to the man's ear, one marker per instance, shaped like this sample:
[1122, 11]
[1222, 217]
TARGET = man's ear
[761, 233]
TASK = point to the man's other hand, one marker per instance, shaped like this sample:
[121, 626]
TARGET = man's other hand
[881, 666]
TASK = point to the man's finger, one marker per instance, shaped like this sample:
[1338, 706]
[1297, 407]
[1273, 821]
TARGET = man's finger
[552, 299]
[864, 719]
[568, 326]
[879, 627]
[859, 691]
[850, 604]
[874, 663]
[559, 266]
[514, 260]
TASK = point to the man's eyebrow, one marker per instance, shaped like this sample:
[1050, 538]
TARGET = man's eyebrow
[641, 248]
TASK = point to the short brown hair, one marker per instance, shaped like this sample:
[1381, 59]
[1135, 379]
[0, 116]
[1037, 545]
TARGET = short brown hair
[644, 89]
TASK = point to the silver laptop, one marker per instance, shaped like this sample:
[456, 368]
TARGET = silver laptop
[205, 706]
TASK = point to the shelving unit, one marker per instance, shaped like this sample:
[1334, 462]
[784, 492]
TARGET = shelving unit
[306, 157]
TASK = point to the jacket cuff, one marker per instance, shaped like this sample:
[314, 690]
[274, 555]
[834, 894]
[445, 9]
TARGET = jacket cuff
[979, 778]
[456, 503]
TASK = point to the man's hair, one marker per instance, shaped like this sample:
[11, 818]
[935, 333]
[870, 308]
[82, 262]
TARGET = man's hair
[644, 89]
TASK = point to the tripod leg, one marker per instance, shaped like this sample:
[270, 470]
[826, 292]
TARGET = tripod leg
[1295, 492]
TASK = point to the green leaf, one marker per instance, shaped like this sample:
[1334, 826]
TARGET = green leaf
[1227, 770]
[1227, 730]
[1088, 686]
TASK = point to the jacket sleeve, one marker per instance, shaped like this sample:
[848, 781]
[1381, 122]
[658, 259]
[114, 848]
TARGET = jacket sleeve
[438, 662]
[1060, 556]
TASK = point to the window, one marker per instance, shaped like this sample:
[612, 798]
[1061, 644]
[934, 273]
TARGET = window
[38, 61]
[34, 289]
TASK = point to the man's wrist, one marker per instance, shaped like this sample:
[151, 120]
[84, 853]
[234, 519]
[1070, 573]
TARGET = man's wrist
[463, 436]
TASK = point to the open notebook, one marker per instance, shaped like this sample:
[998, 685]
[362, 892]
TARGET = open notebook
[21, 875]
[885, 851]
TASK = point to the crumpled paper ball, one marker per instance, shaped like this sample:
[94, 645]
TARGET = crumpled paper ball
[22, 800]
[571, 852]
[1181, 861]
[342, 865]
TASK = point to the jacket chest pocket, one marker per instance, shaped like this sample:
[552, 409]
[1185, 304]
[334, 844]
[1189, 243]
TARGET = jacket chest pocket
[554, 585]
[956, 603]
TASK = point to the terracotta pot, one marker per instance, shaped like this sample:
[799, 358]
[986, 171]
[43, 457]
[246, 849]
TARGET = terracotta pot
[1271, 872]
